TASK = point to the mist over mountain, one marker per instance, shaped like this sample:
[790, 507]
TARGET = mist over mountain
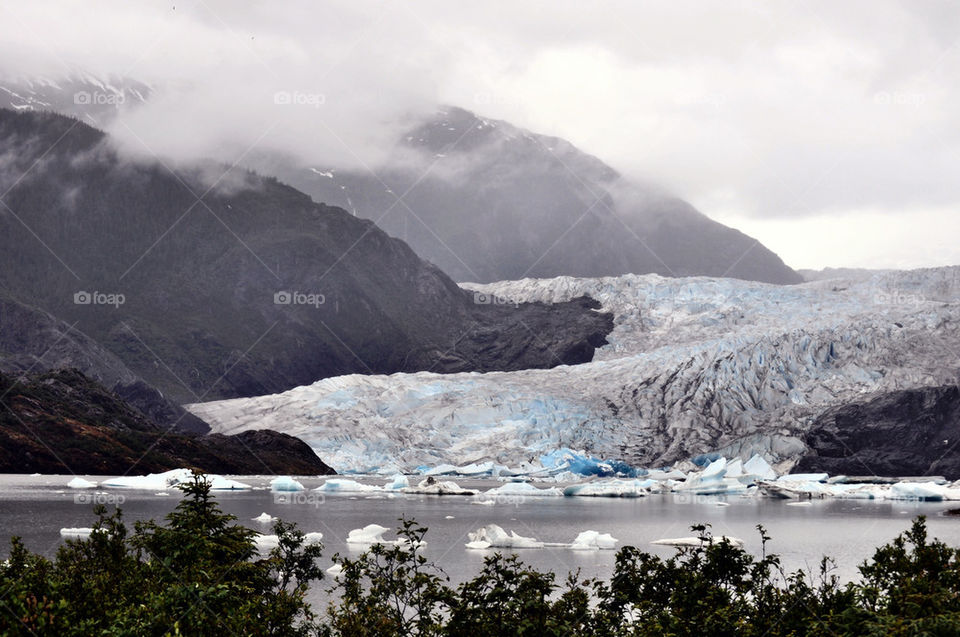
[210, 282]
[482, 199]
[487, 201]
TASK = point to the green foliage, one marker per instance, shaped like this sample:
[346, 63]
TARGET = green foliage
[199, 573]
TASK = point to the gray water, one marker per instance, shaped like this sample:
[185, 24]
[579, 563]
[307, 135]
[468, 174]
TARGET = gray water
[35, 508]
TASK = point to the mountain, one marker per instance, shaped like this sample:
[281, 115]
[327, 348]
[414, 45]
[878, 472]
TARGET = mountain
[488, 201]
[208, 282]
[32, 340]
[692, 366]
[482, 199]
[62, 422]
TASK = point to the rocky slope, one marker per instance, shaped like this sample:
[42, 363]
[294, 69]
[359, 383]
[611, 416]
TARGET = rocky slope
[32, 340]
[488, 201]
[62, 422]
[693, 366]
[908, 432]
[208, 282]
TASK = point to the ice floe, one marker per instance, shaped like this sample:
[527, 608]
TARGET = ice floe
[285, 484]
[593, 540]
[696, 541]
[80, 483]
[345, 485]
[493, 536]
[264, 518]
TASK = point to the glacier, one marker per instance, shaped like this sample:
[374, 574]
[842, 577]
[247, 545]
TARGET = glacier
[696, 368]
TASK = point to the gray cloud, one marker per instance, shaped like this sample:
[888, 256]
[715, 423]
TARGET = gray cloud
[762, 115]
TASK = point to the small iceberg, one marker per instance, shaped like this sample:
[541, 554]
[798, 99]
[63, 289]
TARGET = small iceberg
[493, 536]
[335, 570]
[80, 533]
[266, 542]
[80, 483]
[264, 518]
[431, 486]
[169, 479]
[696, 541]
[345, 485]
[397, 482]
[611, 489]
[285, 484]
[593, 541]
[370, 534]
[524, 489]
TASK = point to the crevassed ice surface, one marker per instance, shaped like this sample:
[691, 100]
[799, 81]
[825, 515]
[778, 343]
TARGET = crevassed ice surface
[693, 365]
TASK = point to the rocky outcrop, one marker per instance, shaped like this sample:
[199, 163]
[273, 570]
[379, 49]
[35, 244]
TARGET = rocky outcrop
[914, 432]
[63, 422]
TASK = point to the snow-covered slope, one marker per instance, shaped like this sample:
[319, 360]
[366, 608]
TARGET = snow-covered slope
[694, 365]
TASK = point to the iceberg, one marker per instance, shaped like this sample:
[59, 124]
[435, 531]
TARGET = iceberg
[266, 542]
[345, 485]
[78, 533]
[397, 482]
[168, 479]
[804, 477]
[285, 483]
[759, 467]
[264, 518]
[80, 483]
[335, 570]
[611, 488]
[493, 536]
[523, 490]
[696, 541]
[592, 540]
[370, 534]
[926, 491]
[430, 486]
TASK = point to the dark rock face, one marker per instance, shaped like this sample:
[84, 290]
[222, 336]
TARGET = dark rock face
[62, 422]
[905, 433]
[209, 283]
[32, 340]
[487, 201]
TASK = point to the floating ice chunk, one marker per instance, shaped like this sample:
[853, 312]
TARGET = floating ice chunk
[758, 466]
[396, 483]
[314, 537]
[430, 486]
[285, 483]
[802, 503]
[35, 475]
[168, 479]
[804, 477]
[80, 483]
[266, 542]
[335, 570]
[76, 532]
[482, 501]
[264, 518]
[672, 474]
[734, 468]
[917, 491]
[344, 485]
[219, 483]
[448, 517]
[610, 488]
[523, 489]
[162, 493]
[370, 534]
[592, 540]
[800, 489]
[715, 470]
[711, 486]
[696, 541]
[493, 536]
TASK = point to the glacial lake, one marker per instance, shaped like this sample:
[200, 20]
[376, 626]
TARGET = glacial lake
[36, 508]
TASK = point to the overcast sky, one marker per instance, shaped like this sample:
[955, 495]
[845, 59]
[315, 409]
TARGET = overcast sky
[830, 131]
